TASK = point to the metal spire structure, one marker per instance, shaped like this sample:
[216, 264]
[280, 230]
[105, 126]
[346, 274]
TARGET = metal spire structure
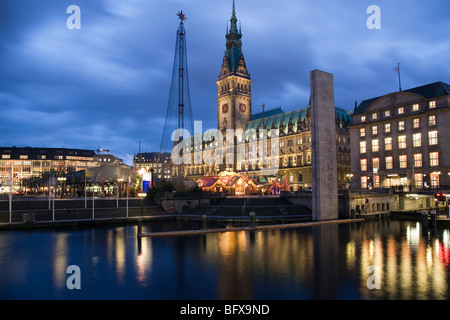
[179, 111]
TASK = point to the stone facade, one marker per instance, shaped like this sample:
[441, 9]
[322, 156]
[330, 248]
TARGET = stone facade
[400, 140]
[324, 166]
[288, 147]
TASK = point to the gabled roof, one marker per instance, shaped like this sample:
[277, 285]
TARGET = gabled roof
[209, 181]
[428, 91]
[234, 180]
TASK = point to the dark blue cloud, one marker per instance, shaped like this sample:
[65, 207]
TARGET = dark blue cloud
[108, 84]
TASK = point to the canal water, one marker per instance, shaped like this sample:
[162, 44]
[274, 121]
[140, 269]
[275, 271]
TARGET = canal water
[384, 259]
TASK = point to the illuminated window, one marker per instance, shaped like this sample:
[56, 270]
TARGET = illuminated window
[389, 163]
[363, 118]
[434, 159]
[374, 130]
[401, 110]
[434, 180]
[363, 164]
[401, 125]
[363, 182]
[362, 147]
[416, 123]
[402, 142]
[375, 145]
[6, 156]
[387, 127]
[417, 139]
[432, 104]
[418, 180]
[403, 161]
[418, 160]
[432, 138]
[415, 107]
[387, 143]
[374, 116]
[387, 113]
[376, 163]
[376, 181]
[362, 132]
[432, 120]
[23, 157]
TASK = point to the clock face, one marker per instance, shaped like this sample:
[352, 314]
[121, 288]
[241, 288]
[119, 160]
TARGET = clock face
[242, 107]
[225, 108]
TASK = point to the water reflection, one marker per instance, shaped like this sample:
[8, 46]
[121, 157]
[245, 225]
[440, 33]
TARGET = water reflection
[412, 266]
[322, 262]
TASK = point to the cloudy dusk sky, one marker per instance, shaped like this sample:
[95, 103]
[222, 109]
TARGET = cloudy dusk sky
[107, 84]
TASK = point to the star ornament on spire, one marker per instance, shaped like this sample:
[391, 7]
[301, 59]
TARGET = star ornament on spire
[181, 16]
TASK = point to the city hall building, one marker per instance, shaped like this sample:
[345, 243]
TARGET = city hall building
[401, 139]
[289, 133]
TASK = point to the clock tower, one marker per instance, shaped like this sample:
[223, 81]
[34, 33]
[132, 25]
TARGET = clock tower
[234, 85]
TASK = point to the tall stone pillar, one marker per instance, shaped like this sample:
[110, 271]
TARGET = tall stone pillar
[324, 162]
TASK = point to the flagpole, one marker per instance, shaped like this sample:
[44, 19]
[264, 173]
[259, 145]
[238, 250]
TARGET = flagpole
[399, 80]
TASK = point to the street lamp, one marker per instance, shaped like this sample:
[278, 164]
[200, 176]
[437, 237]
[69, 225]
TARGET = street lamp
[349, 178]
[118, 192]
[142, 195]
[63, 181]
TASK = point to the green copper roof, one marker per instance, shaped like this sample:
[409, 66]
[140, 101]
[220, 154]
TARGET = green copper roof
[267, 113]
[275, 117]
[234, 44]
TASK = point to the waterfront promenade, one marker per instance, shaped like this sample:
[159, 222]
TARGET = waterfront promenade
[36, 212]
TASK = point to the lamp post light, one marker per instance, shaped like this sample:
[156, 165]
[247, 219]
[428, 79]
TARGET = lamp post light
[85, 191]
[62, 180]
[126, 191]
[142, 195]
[93, 204]
[118, 191]
[349, 177]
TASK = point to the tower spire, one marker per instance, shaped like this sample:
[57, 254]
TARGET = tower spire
[234, 85]
[233, 20]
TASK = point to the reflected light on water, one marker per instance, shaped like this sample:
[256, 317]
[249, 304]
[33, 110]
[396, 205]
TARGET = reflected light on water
[351, 255]
[413, 235]
[60, 265]
[419, 272]
[144, 261]
[303, 263]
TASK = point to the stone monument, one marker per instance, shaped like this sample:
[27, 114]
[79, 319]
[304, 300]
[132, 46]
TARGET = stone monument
[324, 162]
